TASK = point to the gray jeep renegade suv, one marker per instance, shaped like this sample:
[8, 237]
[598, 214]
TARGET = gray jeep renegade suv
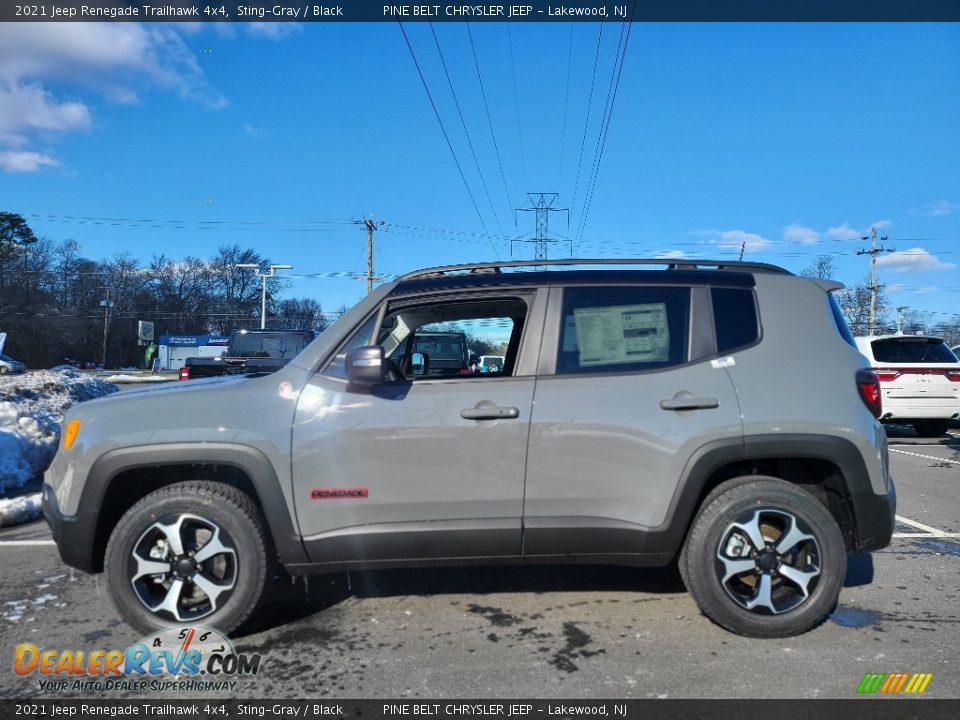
[646, 411]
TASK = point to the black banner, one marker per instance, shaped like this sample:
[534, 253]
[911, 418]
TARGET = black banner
[784, 709]
[478, 11]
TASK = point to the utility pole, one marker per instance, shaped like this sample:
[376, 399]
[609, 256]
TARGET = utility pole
[542, 205]
[371, 226]
[106, 305]
[873, 252]
[271, 270]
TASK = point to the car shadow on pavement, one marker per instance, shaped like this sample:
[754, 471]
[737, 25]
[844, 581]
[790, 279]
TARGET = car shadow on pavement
[290, 601]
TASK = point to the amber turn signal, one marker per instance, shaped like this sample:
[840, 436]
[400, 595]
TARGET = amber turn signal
[70, 434]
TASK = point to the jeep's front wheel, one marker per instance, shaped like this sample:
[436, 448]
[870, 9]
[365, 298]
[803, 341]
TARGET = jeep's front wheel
[764, 558]
[193, 552]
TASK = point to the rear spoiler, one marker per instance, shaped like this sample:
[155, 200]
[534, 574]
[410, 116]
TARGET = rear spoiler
[828, 285]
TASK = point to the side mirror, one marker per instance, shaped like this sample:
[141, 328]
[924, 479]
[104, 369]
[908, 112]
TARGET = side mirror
[416, 364]
[366, 365]
[419, 364]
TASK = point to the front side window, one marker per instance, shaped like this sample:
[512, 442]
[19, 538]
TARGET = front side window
[623, 329]
[443, 339]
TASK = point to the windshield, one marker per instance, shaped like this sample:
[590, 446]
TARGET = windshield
[275, 345]
[912, 350]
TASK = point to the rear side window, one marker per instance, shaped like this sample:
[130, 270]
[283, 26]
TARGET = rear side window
[735, 318]
[623, 329]
[841, 321]
[912, 350]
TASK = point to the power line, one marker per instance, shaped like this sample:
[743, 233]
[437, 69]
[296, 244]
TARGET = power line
[566, 104]
[516, 100]
[446, 136]
[463, 124]
[486, 108]
[586, 123]
[605, 124]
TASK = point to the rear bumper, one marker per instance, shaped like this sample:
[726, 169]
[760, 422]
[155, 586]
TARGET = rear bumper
[74, 534]
[875, 516]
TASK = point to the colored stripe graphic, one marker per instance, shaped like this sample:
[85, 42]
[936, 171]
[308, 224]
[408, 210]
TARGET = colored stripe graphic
[871, 682]
[894, 683]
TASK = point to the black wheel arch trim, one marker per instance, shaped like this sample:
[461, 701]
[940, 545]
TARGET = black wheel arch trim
[281, 525]
[873, 513]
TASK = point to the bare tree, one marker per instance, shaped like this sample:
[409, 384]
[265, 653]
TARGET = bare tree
[823, 268]
[855, 304]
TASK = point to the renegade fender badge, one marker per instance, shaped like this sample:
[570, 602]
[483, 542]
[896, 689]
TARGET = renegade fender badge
[357, 493]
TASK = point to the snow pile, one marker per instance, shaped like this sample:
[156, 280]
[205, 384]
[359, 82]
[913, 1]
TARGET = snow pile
[31, 409]
[25, 508]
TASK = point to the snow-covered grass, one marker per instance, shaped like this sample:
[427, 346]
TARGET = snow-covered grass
[31, 410]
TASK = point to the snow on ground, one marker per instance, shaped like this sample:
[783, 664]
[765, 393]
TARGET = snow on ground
[124, 378]
[26, 508]
[31, 410]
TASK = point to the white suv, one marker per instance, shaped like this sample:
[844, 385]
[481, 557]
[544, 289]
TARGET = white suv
[919, 379]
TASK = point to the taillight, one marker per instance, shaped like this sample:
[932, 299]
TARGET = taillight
[869, 386]
[887, 374]
[953, 375]
[184, 373]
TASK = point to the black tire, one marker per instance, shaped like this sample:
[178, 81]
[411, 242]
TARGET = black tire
[932, 428]
[771, 507]
[203, 511]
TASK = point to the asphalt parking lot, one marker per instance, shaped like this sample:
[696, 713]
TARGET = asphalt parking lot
[551, 632]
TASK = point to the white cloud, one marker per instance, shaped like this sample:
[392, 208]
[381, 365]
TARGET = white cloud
[108, 59]
[14, 161]
[273, 30]
[672, 254]
[913, 260]
[843, 232]
[751, 242]
[941, 208]
[879, 225]
[895, 288]
[27, 107]
[800, 234]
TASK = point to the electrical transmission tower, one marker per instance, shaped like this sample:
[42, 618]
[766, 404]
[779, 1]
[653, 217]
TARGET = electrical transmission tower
[542, 205]
[873, 252]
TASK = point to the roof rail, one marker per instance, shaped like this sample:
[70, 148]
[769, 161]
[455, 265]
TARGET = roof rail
[670, 263]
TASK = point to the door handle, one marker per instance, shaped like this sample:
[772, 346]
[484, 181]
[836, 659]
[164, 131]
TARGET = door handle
[690, 403]
[488, 412]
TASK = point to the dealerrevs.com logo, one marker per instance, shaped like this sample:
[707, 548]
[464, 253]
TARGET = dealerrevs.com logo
[179, 659]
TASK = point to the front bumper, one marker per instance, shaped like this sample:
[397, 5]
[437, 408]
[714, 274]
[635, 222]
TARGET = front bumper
[74, 534]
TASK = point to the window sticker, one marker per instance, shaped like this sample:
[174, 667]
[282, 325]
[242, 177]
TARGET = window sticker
[622, 334]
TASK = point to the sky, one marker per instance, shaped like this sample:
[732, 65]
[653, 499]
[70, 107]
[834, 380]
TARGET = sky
[789, 140]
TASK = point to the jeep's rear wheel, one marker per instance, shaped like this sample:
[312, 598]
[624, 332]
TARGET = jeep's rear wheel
[764, 558]
[193, 552]
[932, 428]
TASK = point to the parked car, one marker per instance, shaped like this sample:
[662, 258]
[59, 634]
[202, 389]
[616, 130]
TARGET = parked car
[491, 363]
[667, 426]
[920, 379]
[8, 365]
[250, 351]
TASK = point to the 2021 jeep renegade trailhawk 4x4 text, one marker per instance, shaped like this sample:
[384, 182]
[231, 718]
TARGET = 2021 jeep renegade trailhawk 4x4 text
[642, 414]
